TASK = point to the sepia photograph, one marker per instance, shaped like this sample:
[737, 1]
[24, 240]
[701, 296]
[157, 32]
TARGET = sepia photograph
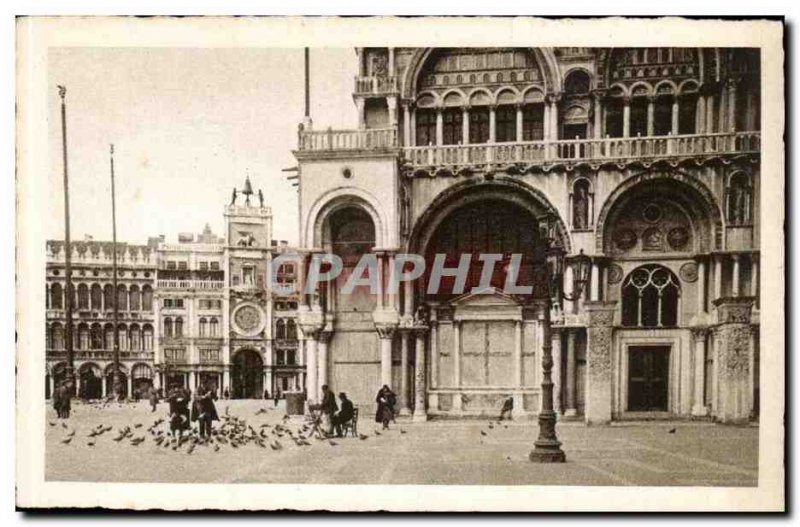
[517, 263]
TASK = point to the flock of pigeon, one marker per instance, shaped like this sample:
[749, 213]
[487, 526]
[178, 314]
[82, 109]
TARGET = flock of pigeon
[232, 432]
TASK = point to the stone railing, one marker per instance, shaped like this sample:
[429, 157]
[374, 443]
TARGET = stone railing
[379, 85]
[327, 140]
[81, 354]
[190, 284]
[534, 152]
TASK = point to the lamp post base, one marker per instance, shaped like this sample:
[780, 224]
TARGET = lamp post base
[547, 452]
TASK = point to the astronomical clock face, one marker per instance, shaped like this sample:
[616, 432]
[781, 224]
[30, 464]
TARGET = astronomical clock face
[248, 320]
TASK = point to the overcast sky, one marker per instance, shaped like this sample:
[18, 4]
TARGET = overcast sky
[187, 125]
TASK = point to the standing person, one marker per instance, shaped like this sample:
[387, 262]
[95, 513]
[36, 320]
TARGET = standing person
[178, 410]
[508, 407]
[329, 408]
[266, 394]
[65, 399]
[277, 396]
[153, 396]
[385, 400]
[344, 415]
[204, 411]
[57, 400]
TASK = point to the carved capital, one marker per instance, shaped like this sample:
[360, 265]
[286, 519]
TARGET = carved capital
[601, 314]
[699, 333]
[386, 331]
[734, 310]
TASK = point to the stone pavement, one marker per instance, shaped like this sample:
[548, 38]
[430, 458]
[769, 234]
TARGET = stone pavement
[436, 452]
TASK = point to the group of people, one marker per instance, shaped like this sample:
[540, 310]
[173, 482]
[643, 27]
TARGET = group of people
[333, 418]
[203, 410]
[62, 399]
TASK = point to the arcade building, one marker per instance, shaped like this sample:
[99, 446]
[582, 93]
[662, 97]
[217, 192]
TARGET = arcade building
[648, 157]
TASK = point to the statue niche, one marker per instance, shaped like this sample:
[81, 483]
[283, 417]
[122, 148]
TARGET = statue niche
[581, 197]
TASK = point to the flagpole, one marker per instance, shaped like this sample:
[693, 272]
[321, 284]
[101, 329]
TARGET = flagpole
[116, 379]
[62, 92]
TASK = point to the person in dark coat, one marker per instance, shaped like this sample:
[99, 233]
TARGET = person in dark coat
[344, 415]
[153, 396]
[179, 415]
[204, 411]
[277, 396]
[508, 407]
[329, 408]
[64, 400]
[386, 400]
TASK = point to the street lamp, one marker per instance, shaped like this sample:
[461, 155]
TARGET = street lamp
[549, 265]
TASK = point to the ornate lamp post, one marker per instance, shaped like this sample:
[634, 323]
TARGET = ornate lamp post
[549, 262]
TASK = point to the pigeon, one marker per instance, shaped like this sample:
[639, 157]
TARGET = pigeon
[216, 448]
[51, 423]
[332, 443]
[63, 425]
[483, 433]
[90, 443]
[377, 433]
[137, 425]
[402, 431]
[672, 430]
[67, 440]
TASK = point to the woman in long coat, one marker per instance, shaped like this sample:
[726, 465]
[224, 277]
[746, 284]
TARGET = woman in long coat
[178, 410]
[204, 410]
[386, 400]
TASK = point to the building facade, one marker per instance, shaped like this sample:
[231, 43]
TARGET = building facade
[649, 158]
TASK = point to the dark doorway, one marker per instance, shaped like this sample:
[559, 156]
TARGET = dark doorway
[648, 378]
[248, 373]
[123, 382]
[91, 383]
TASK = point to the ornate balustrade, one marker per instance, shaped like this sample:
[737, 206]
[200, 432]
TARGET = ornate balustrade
[382, 85]
[609, 149]
[368, 139]
[190, 284]
[104, 354]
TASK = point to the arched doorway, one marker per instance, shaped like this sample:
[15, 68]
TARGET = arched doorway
[142, 380]
[91, 379]
[247, 375]
[123, 379]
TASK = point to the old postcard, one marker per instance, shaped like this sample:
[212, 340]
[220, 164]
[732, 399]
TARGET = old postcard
[400, 264]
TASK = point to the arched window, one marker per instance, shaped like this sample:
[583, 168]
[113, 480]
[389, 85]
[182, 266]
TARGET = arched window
[58, 336]
[577, 83]
[168, 327]
[135, 298]
[452, 126]
[581, 201]
[147, 332]
[505, 124]
[109, 332]
[291, 330]
[122, 295]
[203, 327]
[83, 337]
[83, 296]
[179, 327]
[650, 297]
[479, 125]
[214, 327]
[739, 199]
[280, 330]
[136, 338]
[97, 297]
[425, 127]
[108, 297]
[57, 296]
[147, 298]
[124, 341]
[97, 337]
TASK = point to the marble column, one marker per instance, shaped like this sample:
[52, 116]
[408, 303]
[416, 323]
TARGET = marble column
[379, 257]
[405, 345]
[465, 125]
[599, 334]
[734, 338]
[732, 89]
[226, 379]
[420, 414]
[572, 407]
[568, 289]
[754, 278]
[594, 288]
[554, 116]
[701, 286]
[407, 124]
[517, 395]
[386, 335]
[457, 364]
[312, 387]
[557, 385]
[439, 127]
[717, 276]
[492, 124]
[322, 359]
[698, 406]
[626, 117]
[675, 115]
[651, 107]
[519, 122]
[735, 275]
[708, 127]
[598, 116]
[700, 115]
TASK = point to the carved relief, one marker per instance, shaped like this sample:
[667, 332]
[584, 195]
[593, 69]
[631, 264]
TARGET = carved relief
[615, 274]
[688, 272]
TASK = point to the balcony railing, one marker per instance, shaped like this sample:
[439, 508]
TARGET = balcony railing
[382, 85]
[82, 354]
[534, 152]
[369, 139]
[190, 284]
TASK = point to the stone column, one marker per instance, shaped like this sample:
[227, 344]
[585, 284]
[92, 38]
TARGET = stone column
[717, 276]
[519, 122]
[626, 117]
[701, 286]
[322, 358]
[405, 345]
[439, 127]
[599, 336]
[492, 123]
[732, 105]
[391, 296]
[556, 339]
[572, 407]
[568, 288]
[380, 272]
[407, 124]
[735, 275]
[546, 122]
[708, 127]
[386, 335]
[594, 288]
[651, 108]
[391, 103]
[698, 406]
[554, 116]
[517, 395]
[675, 114]
[413, 127]
[733, 335]
[457, 364]
[465, 125]
[226, 379]
[312, 387]
[362, 117]
[598, 116]
[192, 385]
[754, 278]
[420, 414]
[700, 115]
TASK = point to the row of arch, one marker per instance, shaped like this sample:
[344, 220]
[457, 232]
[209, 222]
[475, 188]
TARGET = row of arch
[101, 337]
[101, 298]
[285, 329]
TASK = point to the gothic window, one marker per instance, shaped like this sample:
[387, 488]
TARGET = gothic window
[247, 275]
[83, 296]
[280, 330]
[453, 130]
[136, 338]
[638, 117]
[58, 336]
[147, 298]
[650, 297]
[135, 298]
[109, 336]
[83, 337]
[179, 327]
[687, 115]
[203, 327]
[167, 327]
[505, 124]
[148, 337]
[739, 199]
[533, 122]
[580, 204]
[122, 296]
[213, 326]
[577, 83]
[123, 337]
[108, 297]
[96, 336]
[57, 296]
[662, 116]
[291, 330]
[426, 127]
[97, 297]
[479, 125]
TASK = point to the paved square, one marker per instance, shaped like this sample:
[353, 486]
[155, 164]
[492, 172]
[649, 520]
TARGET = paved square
[436, 452]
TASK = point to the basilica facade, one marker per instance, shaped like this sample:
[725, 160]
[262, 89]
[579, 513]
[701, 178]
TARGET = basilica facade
[649, 159]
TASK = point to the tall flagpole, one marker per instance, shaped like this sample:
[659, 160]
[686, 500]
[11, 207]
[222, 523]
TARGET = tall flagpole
[117, 383]
[308, 92]
[62, 92]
